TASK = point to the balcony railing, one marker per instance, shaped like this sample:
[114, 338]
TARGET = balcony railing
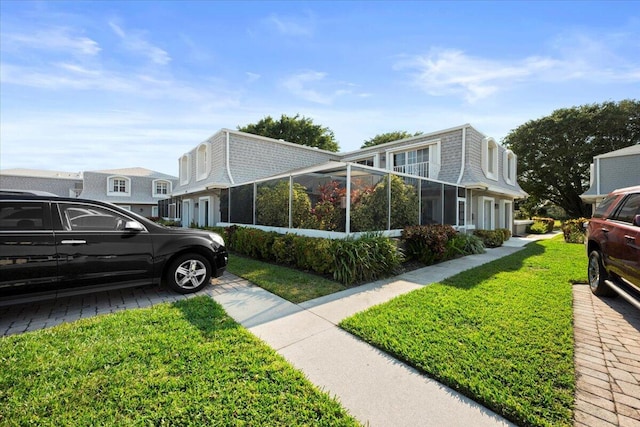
[419, 169]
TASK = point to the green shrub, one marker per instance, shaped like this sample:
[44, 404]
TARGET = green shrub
[364, 259]
[370, 210]
[463, 244]
[573, 230]
[506, 233]
[255, 243]
[272, 205]
[427, 243]
[537, 228]
[283, 249]
[542, 225]
[313, 254]
[490, 238]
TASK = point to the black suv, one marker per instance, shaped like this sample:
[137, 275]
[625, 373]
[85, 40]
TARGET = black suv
[51, 245]
[613, 246]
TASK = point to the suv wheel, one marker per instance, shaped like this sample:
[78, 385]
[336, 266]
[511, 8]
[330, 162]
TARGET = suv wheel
[189, 273]
[597, 276]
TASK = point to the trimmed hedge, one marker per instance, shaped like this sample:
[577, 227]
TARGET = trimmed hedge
[573, 230]
[541, 225]
[490, 238]
[427, 243]
[349, 261]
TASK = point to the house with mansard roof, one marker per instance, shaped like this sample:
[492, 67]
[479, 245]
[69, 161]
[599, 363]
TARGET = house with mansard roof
[463, 177]
[136, 189]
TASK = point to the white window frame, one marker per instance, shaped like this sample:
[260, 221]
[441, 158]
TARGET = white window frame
[203, 161]
[489, 158]
[434, 155]
[161, 181]
[127, 186]
[126, 207]
[356, 159]
[509, 167]
[185, 169]
[482, 213]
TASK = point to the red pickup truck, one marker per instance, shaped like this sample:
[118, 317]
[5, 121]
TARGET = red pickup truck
[613, 246]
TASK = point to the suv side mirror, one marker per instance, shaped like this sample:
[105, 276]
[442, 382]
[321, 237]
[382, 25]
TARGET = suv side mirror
[636, 220]
[133, 226]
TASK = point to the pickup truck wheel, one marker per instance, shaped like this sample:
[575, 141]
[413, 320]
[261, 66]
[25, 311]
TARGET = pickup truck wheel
[188, 273]
[597, 276]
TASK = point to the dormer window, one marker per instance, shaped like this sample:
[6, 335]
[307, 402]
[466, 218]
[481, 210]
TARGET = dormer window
[202, 161]
[490, 158]
[118, 186]
[185, 171]
[509, 167]
[161, 188]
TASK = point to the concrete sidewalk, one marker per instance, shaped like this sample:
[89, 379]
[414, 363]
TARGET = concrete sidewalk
[374, 387]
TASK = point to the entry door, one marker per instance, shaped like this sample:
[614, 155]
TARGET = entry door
[488, 214]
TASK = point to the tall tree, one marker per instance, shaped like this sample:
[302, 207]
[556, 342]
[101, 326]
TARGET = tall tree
[388, 137]
[554, 152]
[296, 129]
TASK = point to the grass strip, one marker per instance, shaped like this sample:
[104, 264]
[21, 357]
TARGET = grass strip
[501, 333]
[186, 364]
[293, 285]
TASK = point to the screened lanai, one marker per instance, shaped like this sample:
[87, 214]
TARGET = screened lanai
[339, 198]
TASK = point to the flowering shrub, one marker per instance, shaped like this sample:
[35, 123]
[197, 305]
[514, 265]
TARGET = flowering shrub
[574, 230]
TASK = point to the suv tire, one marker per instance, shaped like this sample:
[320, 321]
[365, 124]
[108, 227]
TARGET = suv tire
[597, 276]
[188, 273]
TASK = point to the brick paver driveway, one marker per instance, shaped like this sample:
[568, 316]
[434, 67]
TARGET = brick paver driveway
[607, 340]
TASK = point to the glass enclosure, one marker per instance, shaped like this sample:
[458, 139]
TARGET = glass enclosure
[347, 197]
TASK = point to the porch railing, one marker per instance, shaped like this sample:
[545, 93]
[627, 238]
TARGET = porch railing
[419, 169]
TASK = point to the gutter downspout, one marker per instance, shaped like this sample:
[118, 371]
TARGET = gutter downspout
[227, 161]
[464, 149]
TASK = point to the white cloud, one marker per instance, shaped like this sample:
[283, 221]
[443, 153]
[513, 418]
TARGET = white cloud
[292, 26]
[58, 39]
[574, 57]
[135, 42]
[252, 77]
[313, 86]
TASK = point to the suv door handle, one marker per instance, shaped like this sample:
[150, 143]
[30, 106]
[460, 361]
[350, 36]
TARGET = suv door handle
[74, 242]
[606, 230]
[630, 238]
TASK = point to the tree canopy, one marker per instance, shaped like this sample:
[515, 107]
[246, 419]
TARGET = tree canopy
[555, 152]
[388, 137]
[296, 129]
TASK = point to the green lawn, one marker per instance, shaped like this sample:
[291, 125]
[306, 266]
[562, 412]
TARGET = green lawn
[293, 285]
[186, 364]
[501, 333]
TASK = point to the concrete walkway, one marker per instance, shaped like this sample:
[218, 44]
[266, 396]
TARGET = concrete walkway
[374, 387]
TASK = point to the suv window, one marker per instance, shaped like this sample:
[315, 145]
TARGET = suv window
[629, 208]
[77, 217]
[20, 216]
[604, 206]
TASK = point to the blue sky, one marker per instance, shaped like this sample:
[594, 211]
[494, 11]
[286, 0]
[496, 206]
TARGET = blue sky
[104, 85]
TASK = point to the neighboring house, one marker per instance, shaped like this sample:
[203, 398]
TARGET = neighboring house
[136, 189]
[483, 171]
[64, 184]
[611, 171]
